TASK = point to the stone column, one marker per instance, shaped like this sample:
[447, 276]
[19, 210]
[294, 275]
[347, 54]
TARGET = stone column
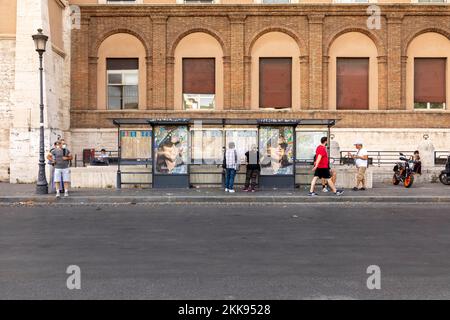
[236, 92]
[226, 82]
[170, 68]
[382, 82]
[304, 82]
[159, 62]
[403, 68]
[149, 79]
[325, 69]
[92, 89]
[394, 85]
[247, 82]
[315, 59]
[78, 75]
[426, 150]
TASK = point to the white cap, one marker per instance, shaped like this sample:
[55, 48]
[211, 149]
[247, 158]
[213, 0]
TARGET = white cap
[358, 141]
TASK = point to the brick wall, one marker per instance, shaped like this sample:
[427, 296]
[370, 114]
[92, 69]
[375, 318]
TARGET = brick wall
[313, 27]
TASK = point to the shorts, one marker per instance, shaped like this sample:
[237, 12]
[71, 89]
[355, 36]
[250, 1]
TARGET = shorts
[62, 173]
[322, 173]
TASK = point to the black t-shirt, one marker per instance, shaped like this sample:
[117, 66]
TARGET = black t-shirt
[252, 158]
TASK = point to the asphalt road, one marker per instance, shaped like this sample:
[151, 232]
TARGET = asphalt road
[312, 251]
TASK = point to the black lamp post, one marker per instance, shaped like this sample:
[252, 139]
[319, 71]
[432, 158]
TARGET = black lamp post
[40, 40]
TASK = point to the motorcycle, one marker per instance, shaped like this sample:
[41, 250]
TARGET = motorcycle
[404, 172]
[444, 177]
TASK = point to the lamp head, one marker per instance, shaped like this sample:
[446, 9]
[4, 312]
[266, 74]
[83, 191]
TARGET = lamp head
[40, 41]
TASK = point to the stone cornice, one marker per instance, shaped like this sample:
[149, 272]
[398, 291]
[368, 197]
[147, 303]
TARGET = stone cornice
[394, 17]
[237, 18]
[316, 18]
[273, 10]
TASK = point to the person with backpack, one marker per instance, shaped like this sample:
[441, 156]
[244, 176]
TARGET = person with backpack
[361, 162]
[252, 170]
[231, 163]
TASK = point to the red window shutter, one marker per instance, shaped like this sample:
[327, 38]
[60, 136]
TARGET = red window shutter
[275, 82]
[429, 80]
[199, 75]
[352, 84]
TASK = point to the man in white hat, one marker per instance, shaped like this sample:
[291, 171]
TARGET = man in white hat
[361, 163]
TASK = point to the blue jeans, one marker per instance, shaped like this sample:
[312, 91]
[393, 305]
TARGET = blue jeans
[229, 178]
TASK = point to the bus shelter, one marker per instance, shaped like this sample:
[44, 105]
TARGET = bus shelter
[182, 153]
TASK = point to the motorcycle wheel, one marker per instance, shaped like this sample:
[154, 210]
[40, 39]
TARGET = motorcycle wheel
[443, 178]
[408, 181]
[395, 181]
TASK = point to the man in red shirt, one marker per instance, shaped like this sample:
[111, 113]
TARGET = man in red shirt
[321, 168]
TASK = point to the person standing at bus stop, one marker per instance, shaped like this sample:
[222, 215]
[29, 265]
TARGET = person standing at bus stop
[231, 161]
[321, 168]
[252, 170]
[361, 162]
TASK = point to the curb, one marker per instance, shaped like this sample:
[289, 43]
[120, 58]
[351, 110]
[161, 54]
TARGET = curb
[81, 200]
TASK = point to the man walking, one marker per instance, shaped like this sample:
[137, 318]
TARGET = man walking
[321, 169]
[253, 169]
[60, 157]
[231, 161]
[361, 163]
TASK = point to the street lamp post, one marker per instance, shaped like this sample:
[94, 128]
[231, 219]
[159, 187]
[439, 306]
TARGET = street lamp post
[40, 40]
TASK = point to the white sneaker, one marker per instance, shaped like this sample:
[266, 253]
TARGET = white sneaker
[66, 193]
[58, 195]
[226, 190]
[231, 191]
[325, 189]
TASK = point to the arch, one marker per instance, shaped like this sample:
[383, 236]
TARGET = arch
[426, 44]
[274, 44]
[353, 44]
[377, 40]
[414, 35]
[198, 45]
[208, 31]
[100, 39]
[300, 43]
[120, 45]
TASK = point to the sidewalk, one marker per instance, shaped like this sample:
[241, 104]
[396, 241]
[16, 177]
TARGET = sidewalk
[425, 193]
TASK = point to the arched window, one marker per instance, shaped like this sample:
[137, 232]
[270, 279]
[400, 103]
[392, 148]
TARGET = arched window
[121, 80]
[275, 72]
[198, 73]
[427, 72]
[353, 73]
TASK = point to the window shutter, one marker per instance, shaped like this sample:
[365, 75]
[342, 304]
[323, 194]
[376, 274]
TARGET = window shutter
[275, 82]
[199, 75]
[429, 80]
[352, 84]
[122, 64]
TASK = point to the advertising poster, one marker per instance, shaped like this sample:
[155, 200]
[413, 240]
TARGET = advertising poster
[171, 149]
[136, 144]
[307, 142]
[276, 145]
[207, 146]
[244, 140]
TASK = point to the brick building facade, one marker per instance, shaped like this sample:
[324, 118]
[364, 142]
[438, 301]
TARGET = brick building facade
[314, 28]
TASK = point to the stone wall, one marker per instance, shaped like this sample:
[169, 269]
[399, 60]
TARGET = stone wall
[25, 118]
[7, 55]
